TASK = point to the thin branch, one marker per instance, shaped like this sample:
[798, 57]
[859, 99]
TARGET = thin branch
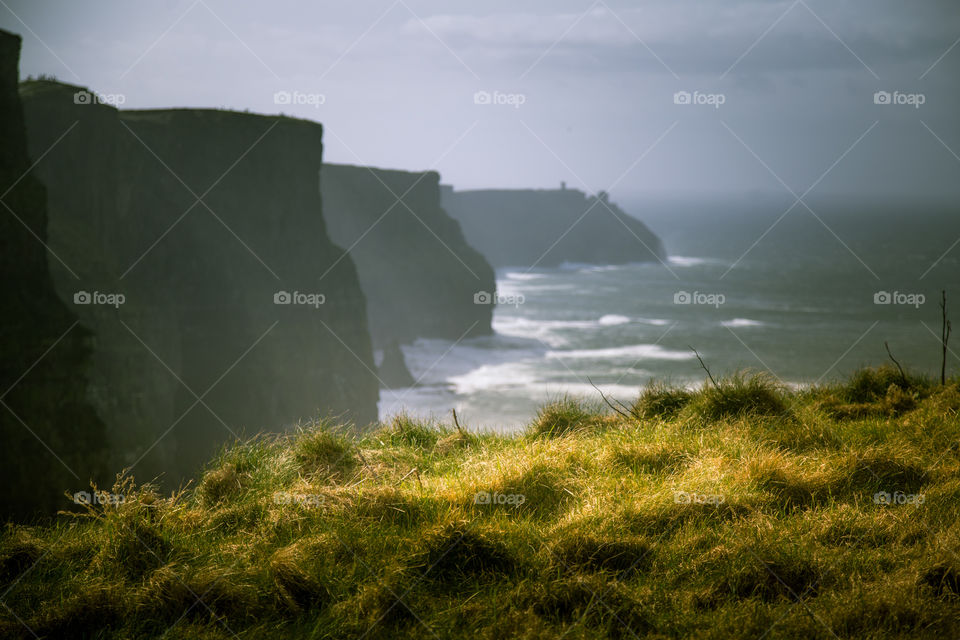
[457, 424]
[709, 375]
[903, 376]
[944, 335]
[628, 416]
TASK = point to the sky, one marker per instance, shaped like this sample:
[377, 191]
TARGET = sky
[665, 97]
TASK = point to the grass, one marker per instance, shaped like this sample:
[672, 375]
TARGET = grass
[740, 395]
[739, 510]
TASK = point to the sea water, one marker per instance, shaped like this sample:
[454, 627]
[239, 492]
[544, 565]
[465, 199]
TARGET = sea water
[805, 297]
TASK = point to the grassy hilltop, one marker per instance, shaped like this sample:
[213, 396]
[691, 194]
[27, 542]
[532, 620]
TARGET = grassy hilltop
[738, 511]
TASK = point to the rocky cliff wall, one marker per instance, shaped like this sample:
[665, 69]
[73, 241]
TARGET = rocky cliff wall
[51, 440]
[523, 228]
[239, 312]
[418, 271]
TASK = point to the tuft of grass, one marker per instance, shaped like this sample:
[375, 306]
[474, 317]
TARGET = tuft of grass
[133, 547]
[197, 592]
[297, 589]
[880, 470]
[943, 578]
[456, 553]
[19, 550]
[404, 430]
[219, 484]
[875, 391]
[376, 610]
[870, 384]
[538, 491]
[738, 396]
[772, 578]
[662, 401]
[97, 608]
[563, 417]
[605, 609]
[321, 452]
[620, 557]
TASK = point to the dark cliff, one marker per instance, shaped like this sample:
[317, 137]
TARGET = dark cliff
[417, 270]
[524, 228]
[240, 314]
[51, 440]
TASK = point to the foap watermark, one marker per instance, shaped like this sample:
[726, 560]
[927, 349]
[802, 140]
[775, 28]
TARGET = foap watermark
[698, 297]
[297, 98]
[685, 497]
[485, 297]
[98, 497]
[511, 499]
[898, 297]
[92, 97]
[299, 298]
[697, 98]
[99, 298]
[498, 98]
[898, 497]
[306, 500]
[898, 98]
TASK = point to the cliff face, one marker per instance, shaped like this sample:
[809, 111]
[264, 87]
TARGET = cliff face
[240, 314]
[417, 270]
[523, 228]
[52, 441]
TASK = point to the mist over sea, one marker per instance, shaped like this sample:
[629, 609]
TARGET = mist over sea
[808, 298]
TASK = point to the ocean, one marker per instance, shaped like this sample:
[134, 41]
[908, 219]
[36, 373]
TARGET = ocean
[807, 297]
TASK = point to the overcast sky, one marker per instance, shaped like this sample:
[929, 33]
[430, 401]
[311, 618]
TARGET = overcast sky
[588, 88]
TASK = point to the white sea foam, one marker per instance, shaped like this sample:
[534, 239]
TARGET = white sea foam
[636, 352]
[520, 275]
[435, 362]
[507, 323]
[612, 319]
[741, 322]
[583, 266]
[688, 261]
[545, 331]
[597, 268]
[488, 377]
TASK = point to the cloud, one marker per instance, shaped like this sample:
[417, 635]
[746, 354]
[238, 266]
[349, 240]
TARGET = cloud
[698, 36]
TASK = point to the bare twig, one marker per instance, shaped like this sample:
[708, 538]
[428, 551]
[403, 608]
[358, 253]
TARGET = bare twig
[944, 335]
[709, 375]
[628, 414]
[903, 376]
[457, 424]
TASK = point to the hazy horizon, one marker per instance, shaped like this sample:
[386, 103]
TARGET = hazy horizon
[588, 89]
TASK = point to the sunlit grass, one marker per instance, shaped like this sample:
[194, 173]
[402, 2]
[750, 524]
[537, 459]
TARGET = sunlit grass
[737, 510]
